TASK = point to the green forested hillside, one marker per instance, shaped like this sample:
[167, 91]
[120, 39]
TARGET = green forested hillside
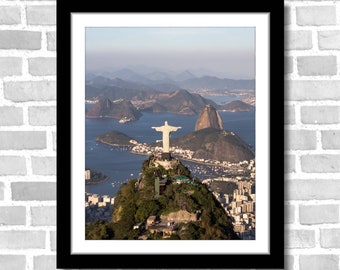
[136, 201]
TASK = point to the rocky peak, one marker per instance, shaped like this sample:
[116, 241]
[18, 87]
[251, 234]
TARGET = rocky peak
[209, 118]
[118, 109]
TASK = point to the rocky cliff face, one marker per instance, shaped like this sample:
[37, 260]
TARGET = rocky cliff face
[209, 118]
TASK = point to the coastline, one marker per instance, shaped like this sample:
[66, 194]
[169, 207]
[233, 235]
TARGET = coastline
[91, 182]
[189, 160]
[113, 144]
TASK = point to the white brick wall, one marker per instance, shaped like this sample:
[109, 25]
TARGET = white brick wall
[28, 135]
[312, 95]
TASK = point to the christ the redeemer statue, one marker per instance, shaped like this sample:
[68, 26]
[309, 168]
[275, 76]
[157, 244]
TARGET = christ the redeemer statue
[166, 130]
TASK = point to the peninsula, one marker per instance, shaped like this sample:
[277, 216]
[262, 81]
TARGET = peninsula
[209, 141]
[116, 138]
[94, 177]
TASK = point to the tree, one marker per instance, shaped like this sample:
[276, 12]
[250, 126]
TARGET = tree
[145, 210]
[99, 230]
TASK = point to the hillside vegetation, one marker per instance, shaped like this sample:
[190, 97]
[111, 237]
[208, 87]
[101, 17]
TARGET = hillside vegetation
[136, 202]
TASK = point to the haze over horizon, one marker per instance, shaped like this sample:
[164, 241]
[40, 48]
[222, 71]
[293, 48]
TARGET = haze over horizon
[225, 52]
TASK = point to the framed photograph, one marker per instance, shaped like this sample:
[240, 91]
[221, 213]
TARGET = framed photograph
[171, 141]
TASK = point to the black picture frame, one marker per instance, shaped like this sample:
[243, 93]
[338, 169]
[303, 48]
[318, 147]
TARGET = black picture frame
[275, 258]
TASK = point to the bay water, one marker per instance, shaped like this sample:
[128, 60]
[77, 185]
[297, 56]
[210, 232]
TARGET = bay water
[120, 165]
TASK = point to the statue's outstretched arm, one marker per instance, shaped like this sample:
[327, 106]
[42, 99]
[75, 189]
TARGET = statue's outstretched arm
[157, 128]
[175, 128]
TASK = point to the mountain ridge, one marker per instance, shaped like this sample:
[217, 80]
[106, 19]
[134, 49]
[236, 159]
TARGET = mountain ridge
[120, 109]
[185, 79]
[215, 144]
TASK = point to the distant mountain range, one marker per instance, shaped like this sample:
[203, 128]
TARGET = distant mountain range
[123, 103]
[156, 91]
[121, 109]
[178, 102]
[158, 79]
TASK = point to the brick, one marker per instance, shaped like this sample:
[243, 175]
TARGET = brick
[318, 214]
[317, 65]
[312, 189]
[42, 66]
[315, 262]
[288, 64]
[289, 262]
[22, 239]
[10, 15]
[329, 40]
[320, 115]
[45, 262]
[289, 214]
[15, 262]
[287, 15]
[33, 191]
[42, 116]
[2, 190]
[299, 239]
[44, 165]
[298, 40]
[43, 216]
[11, 116]
[22, 40]
[289, 166]
[300, 140]
[12, 165]
[330, 238]
[41, 15]
[320, 163]
[51, 41]
[289, 112]
[54, 135]
[316, 15]
[30, 91]
[297, 90]
[10, 66]
[330, 139]
[20, 140]
[53, 240]
[12, 215]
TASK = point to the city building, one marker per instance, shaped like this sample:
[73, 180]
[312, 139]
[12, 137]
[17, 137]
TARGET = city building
[87, 174]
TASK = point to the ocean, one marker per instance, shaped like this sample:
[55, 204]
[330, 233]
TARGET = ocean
[120, 165]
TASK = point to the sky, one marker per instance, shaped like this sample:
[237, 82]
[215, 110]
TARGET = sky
[227, 52]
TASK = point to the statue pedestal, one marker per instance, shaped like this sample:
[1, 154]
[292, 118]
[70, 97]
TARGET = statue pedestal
[166, 156]
[167, 164]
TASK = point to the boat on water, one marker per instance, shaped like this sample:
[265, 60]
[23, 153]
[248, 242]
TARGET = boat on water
[124, 120]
